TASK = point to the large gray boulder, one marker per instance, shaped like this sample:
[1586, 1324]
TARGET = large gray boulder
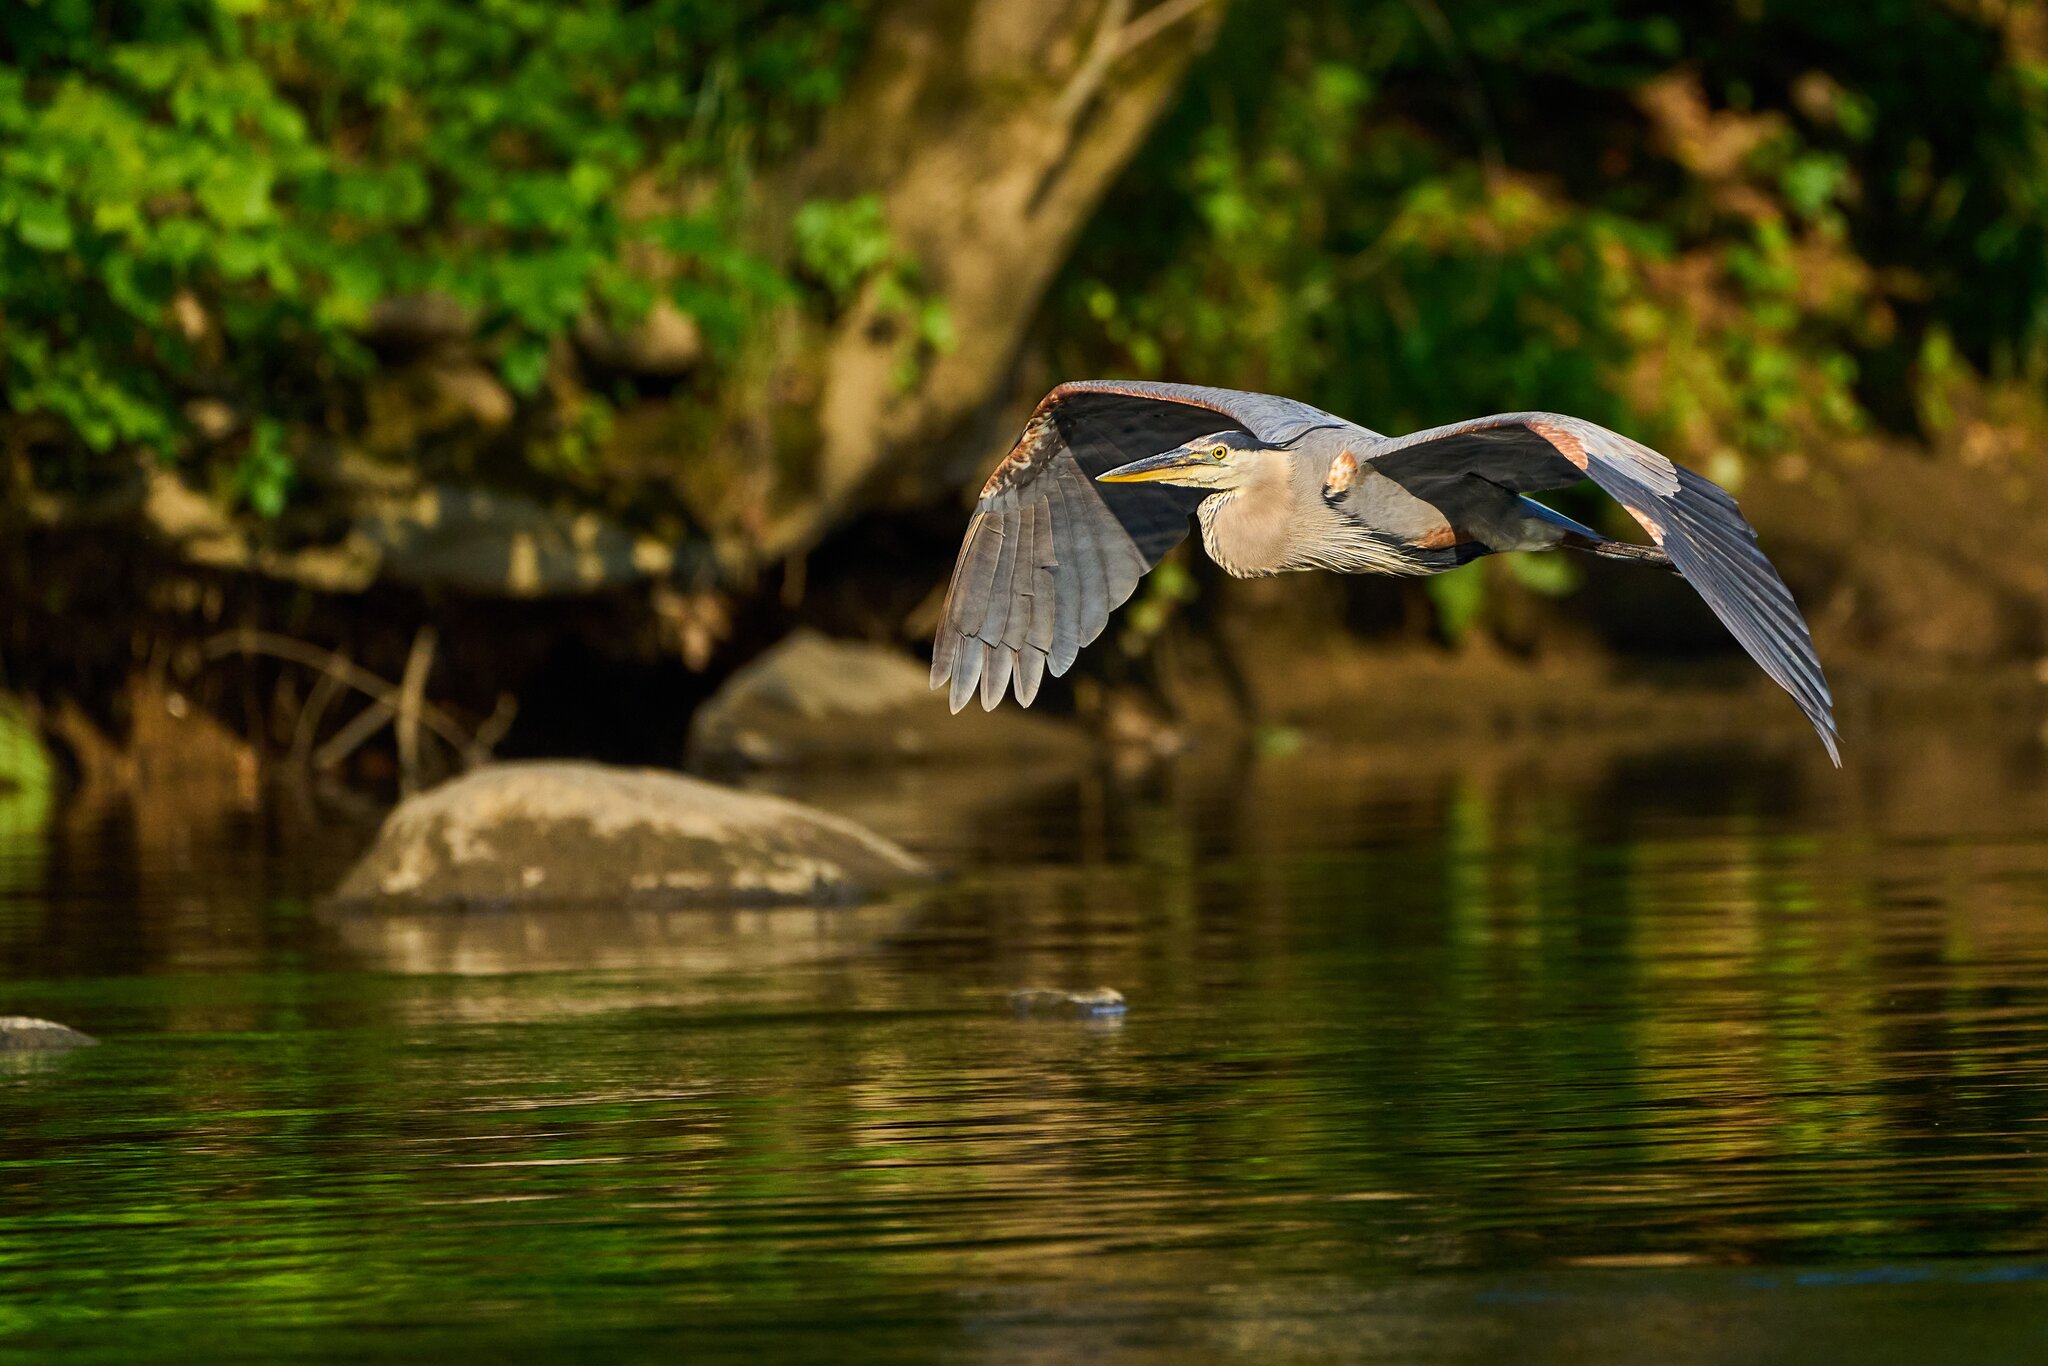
[580, 832]
[815, 699]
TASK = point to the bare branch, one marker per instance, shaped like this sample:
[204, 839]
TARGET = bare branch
[307, 730]
[250, 642]
[350, 737]
[1156, 21]
[1103, 50]
[411, 698]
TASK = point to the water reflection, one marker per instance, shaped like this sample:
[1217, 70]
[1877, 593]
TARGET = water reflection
[1434, 1053]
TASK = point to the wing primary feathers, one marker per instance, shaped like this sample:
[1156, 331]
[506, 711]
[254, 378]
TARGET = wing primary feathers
[1003, 646]
[995, 678]
[1066, 603]
[997, 612]
[1765, 590]
[1742, 563]
[1038, 628]
[1030, 673]
[946, 643]
[1725, 532]
[1716, 551]
[966, 673]
[945, 648]
[1123, 566]
[1782, 648]
[1093, 607]
[985, 543]
[1017, 626]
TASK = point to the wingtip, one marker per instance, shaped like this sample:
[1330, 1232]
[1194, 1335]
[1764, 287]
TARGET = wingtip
[962, 692]
[1030, 675]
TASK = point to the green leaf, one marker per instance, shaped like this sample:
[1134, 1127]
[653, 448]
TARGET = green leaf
[263, 478]
[524, 365]
[236, 194]
[44, 225]
[841, 243]
[1547, 575]
[1458, 596]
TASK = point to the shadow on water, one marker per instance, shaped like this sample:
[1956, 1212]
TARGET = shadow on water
[1652, 1053]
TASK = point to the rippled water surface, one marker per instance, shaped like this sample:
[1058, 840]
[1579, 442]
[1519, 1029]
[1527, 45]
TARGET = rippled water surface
[1649, 1055]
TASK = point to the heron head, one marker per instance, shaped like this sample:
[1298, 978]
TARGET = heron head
[1219, 461]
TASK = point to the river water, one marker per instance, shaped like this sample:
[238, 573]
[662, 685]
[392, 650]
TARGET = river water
[1638, 1053]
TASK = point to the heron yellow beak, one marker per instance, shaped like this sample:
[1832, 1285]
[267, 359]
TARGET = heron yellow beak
[1156, 469]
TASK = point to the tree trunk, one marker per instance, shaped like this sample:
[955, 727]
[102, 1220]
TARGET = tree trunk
[990, 130]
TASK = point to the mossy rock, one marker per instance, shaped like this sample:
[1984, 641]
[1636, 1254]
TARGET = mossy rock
[525, 833]
[24, 1034]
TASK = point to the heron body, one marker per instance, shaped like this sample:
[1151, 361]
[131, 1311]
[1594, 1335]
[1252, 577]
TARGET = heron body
[1106, 474]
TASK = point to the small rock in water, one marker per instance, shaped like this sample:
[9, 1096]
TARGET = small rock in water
[1074, 1004]
[22, 1034]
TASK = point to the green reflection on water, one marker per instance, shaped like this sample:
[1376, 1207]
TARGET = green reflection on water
[1553, 1046]
[27, 793]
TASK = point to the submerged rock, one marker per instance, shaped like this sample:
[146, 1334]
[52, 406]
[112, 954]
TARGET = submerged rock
[562, 831]
[815, 698]
[23, 1034]
[1081, 1005]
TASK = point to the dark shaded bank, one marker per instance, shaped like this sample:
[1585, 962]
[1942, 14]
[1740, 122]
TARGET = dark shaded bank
[136, 663]
[115, 643]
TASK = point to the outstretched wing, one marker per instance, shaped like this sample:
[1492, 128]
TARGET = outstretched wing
[1050, 553]
[1693, 519]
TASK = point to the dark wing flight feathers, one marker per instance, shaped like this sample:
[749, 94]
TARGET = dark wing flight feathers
[1695, 521]
[1050, 553]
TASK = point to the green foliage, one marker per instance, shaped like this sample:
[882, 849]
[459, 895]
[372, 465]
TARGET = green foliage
[1459, 597]
[844, 245]
[28, 779]
[211, 197]
[264, 476]
[1161, 596]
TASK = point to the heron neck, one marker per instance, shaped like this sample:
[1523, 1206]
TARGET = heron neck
[1267, 526]
[1245, 529]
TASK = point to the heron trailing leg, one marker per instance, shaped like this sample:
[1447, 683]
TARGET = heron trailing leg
[1573, 535]
[1618, 550]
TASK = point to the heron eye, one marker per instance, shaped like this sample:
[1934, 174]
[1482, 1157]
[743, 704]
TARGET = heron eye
[1219, 452]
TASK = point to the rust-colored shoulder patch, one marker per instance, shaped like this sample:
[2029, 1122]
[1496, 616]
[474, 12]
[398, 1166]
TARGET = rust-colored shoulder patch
[1343, 473]
[1038, 440]
[1568, 444]
[1443, 538]
[1041, 438]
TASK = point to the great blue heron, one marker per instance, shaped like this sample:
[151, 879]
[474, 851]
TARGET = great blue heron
[1101, 483]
